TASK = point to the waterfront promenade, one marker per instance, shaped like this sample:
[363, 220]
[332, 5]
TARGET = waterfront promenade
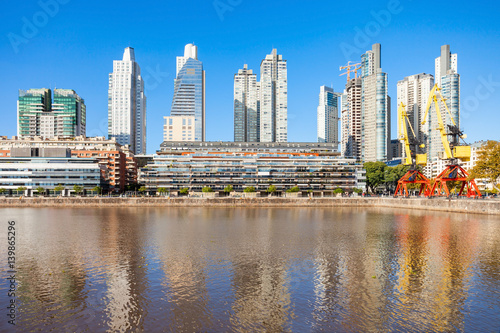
[480, 206]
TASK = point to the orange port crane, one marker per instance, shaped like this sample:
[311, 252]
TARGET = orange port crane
[453, 151]
[412, 157]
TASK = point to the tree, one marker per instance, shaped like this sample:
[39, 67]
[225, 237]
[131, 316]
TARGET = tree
[357, 190]
[132, 187]
[97, 189]
[59, 188]
[142, 189]
[249, 189]
[393, 174]
[21, 189]
[293, 189]
[77, 189]
[228, 188]
[162, 190]
[488, 163]
[2, 190]
[40, 190]
[374, 174]
[338, 190]
[207, 189]
[184, 190]
[271, 189]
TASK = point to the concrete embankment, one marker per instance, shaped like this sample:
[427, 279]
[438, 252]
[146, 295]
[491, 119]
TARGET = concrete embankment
[482, 206]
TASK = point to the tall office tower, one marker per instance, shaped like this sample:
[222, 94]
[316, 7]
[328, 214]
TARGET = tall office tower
[189, 99]
[127, 103]
[414, 91]
[375, 108]
[328, 115]
[39, 114]
[246, 103]
[273, 99]
[448, 79]
[351, 121]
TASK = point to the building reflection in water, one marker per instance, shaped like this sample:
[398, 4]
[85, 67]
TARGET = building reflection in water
[256, 269]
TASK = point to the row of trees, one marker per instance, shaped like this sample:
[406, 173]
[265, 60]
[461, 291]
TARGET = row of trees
[379, 174]
[228, 189]
[76, 188]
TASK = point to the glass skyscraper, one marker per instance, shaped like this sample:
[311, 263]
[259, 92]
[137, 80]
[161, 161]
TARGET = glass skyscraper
[246, 103]
[328, 118]
[40, 114]
[188, 100]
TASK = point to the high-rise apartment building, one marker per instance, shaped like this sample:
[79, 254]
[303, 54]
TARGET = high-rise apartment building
[189, 100]
[328, 115]
[127, 103]
[351, 120]
[41, 114]
[375, 108]
[273, 99]
[246, 106]
[413, 91]
[447, 78]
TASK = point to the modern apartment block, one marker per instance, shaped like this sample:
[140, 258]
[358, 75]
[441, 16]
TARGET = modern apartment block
[117, 162]
[273, 99]
[246, 106]
[188, 104]
[448, 79]
[328, 115]
[127, 103]
[313, 167]
[375, 108]
[40, 113]
[351, 120]
[413, 91]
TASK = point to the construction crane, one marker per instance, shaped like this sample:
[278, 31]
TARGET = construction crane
[350, 68]
[412, 158]
[453, 151]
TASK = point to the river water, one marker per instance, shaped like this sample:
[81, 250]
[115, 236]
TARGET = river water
[251, 270]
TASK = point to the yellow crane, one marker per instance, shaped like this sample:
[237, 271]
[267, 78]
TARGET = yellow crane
[412, 158]
[453, 151]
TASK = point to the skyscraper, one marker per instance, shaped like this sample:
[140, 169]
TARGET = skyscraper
[375, 108]
[328, 118]
[188, 101]
[413, 91]
[447, 78]
[39, 114]
[127, 103]
[351, 121]
[273, 98]
[246, 102]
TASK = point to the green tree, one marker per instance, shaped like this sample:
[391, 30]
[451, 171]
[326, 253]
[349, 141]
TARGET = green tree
[40, 190]
[271, 189]
[338, 190]
[184, 190]
[393, 174]
[488, 163]
[97, 189]
[77, 189]
[162, 190]
[2, 190]
[142, 189]
[21, 189]
[228, 188]
[249, 189]
[207, 189]
[59, 188]
[357, 190]
[293, 189]
[375, 174]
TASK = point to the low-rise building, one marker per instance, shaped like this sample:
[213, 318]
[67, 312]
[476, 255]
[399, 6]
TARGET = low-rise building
[119, 167]
[310, 166]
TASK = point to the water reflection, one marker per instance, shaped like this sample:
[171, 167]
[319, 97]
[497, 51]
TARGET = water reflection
[268, 270]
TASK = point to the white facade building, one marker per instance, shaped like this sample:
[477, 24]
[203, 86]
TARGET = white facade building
[327, 115]
[246, 106]
[273, 99]
[127, 103]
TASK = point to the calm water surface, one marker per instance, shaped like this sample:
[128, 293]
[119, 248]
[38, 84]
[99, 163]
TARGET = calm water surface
[251, 270]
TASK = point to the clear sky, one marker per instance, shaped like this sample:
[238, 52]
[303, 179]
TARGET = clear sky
[72, 44]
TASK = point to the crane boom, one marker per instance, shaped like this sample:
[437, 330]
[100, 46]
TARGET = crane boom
[420, 159]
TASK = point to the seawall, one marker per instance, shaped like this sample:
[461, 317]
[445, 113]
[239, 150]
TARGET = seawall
[480, 206]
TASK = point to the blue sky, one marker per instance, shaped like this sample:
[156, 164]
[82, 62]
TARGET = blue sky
[73, 44]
